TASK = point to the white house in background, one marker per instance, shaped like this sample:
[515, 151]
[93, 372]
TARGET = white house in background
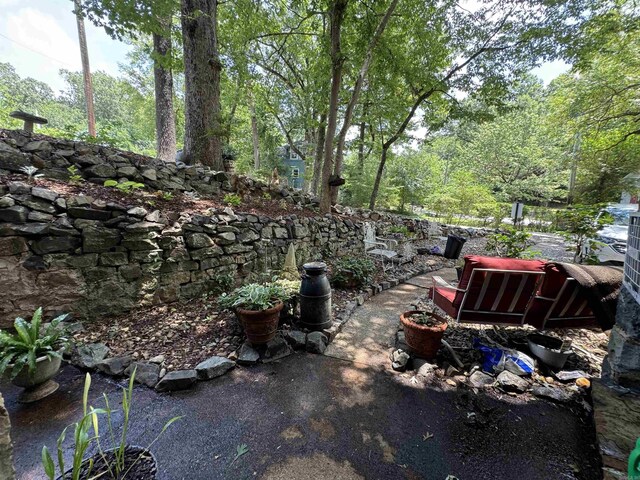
[632, 182]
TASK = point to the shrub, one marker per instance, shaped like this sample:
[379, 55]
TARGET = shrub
[232, 199]
[511, 243]
[30, 343]
[254, 296]
[580, 225]
[30, 171]
[353, 272]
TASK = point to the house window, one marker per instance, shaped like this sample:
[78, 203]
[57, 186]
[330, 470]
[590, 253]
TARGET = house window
[295, 172]
[293, 155]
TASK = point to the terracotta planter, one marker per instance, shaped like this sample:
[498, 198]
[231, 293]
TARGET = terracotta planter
[260, 326]
[424, 341]
[38, 385]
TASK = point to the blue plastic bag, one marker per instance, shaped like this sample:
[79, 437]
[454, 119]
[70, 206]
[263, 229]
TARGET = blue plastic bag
[496, 359]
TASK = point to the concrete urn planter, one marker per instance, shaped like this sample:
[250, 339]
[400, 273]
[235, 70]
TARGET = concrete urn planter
[39, 384]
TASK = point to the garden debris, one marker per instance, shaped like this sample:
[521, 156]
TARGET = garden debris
[567, 376]
[551, 393]
[510, 382]
[400, 358]
[480, 379]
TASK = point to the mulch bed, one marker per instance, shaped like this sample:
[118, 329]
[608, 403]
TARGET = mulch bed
[185, 333]
[252, 202]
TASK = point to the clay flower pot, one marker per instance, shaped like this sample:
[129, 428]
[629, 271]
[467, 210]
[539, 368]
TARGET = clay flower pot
[423, 340]
[260, 326]
[39, 384]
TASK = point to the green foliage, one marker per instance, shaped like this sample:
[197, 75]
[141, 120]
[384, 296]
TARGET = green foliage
[220, 284]
[511, 243]
[127, 187]
[87, 431]
[402, 229]
[254, 296]
[166, 196]
[74, 176]
[30, 342]
[579, 225]
[82, 439]
[352, 272]
[232, 199]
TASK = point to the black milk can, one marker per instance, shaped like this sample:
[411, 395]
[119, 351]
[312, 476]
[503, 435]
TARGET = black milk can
[315, 297]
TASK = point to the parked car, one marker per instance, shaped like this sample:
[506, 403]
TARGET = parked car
[612, 239]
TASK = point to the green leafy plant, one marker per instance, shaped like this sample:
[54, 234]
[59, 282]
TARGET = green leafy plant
[82, 439]
[125, 187]
[30, 343]
[232, 199]
[74, 176]
[579, 225]
[220, 284]
[511, 243]
[240, 450]
[30, 171]
[254, 296]
[424, 318]
[353, 272]
[164, 195]
[87, 431]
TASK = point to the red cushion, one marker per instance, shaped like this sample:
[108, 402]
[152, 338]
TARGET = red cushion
[553, 281]
[444, 298]
[476, 261]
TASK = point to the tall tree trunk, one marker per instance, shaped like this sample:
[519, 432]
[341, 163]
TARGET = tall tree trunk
[317, 161]
[348, 114]
[337, 13]
[163, 78]
[86, 69]
[363, 127]
[202, 68]
[376, 183]
[255, 138]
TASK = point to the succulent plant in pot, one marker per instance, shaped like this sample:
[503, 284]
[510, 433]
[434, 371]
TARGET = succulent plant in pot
[423, 332]
[258, 309]
[32, 356]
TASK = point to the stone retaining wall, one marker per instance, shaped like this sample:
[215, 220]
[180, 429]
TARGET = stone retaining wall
[90, 257]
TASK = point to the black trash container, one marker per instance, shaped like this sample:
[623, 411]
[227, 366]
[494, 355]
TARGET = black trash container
[454, 246]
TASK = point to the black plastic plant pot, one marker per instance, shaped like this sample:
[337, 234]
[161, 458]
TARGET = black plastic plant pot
[145, 467]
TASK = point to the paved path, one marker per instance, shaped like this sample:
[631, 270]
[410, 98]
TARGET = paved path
[369, 335]
[317, 417]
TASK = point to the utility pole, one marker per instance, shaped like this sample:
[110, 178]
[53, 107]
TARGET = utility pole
[86, 70]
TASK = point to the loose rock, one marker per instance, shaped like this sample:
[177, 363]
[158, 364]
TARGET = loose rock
[213, 367]
[178, 380]
[115, 366]
[511, 382]
[316, 342]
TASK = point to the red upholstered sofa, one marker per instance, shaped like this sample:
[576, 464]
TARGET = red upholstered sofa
[511, 291]
[491, 290]
[559, 303]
